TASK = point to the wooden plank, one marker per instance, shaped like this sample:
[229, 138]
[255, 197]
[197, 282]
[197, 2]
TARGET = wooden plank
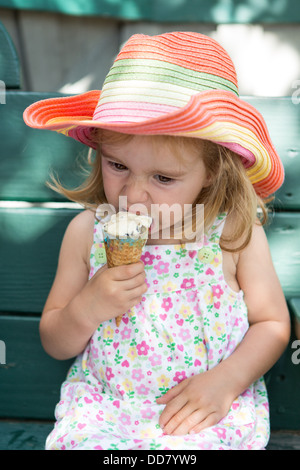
[25, 161]
[284, 440]
[9, 63]
[30, 240]
[31, 435]
[283, 235]
[283, 382]
[24, 435]
[27, 155]
[30, 379]
[295, 307]
[215, 11]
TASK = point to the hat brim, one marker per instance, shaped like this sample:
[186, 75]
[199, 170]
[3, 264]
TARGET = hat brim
[214, 115]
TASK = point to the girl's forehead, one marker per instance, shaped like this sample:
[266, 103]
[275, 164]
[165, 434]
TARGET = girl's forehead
[157, 146]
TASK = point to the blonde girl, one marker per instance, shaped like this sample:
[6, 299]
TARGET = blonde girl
[202, 321]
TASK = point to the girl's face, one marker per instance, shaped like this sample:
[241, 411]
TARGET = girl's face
[145, 171]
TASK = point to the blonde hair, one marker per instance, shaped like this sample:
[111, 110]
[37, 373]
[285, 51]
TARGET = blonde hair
[230, 189]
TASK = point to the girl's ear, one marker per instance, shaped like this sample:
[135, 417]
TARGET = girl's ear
[209, 180]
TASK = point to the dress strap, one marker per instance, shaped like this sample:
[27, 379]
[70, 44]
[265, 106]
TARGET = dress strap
[98, 253]
[215, 231]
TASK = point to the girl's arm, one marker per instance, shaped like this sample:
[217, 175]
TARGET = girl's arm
[76, 306]
[202, 400]
[268, 314]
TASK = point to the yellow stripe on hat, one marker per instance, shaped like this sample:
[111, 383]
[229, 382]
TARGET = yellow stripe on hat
[226, 133]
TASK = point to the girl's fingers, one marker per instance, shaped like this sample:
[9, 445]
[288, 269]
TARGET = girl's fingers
[173, 410]
[211, 420]
[136, 281]
[187, 422]
[126, 272]
[137, 292]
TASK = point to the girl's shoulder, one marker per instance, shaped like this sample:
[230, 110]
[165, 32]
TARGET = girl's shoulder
[82, 224]
[229, 234]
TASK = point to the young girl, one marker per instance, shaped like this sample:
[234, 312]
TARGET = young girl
[202, 320]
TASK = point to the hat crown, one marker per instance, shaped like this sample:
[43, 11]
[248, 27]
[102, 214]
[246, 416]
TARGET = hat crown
[156, 75]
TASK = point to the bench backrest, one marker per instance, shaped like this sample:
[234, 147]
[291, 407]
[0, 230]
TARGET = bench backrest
[33, 220]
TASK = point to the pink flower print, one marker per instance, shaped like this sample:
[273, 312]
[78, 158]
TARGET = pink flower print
[179, 376]
[221, 432]
[162, 267]
[142, 348]
[205, 445]
[155, 359]
[191, 296]
[188, 283]
[184, 334]
[92, 272]
[197, 310]
[177, 266]
[147, 413]
[94, 352]
[126, 333]
[108, 373]
[147, 258]
[97, 397]
[142, 389]
[137, 374]
[217, 291]
[125, 419]
[167, 304]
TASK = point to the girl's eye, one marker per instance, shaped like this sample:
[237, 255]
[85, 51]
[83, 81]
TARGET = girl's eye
[163, 179]
[117, 166]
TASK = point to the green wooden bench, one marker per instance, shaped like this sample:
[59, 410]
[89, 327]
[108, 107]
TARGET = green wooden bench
[32, 222]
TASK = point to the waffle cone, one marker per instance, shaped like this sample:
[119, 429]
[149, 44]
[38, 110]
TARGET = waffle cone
[123, 251]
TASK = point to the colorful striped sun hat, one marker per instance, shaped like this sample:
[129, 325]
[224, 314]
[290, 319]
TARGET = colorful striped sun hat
[179, 83]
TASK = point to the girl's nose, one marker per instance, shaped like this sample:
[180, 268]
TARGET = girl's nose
[135, 190]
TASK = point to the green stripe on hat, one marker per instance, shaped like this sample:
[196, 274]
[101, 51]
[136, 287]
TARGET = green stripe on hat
[159, 71]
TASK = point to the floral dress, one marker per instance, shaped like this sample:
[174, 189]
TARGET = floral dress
[188, 321]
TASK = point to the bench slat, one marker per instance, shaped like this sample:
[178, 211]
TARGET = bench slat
[283, 383]
[282, 116]
[30, 379]
[204, 11]
[26, 160]
[24, 435]
[28, 155]
[30, 240]
[283, 235]
[295, 307]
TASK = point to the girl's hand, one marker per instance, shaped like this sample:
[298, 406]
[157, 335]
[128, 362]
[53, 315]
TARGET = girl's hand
[195, 403]
[113, 291]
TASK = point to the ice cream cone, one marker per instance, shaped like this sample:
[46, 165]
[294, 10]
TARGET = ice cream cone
[123, 251]
[125, 246]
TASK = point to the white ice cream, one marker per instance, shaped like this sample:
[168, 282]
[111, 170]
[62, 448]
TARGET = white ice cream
[127, 225]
